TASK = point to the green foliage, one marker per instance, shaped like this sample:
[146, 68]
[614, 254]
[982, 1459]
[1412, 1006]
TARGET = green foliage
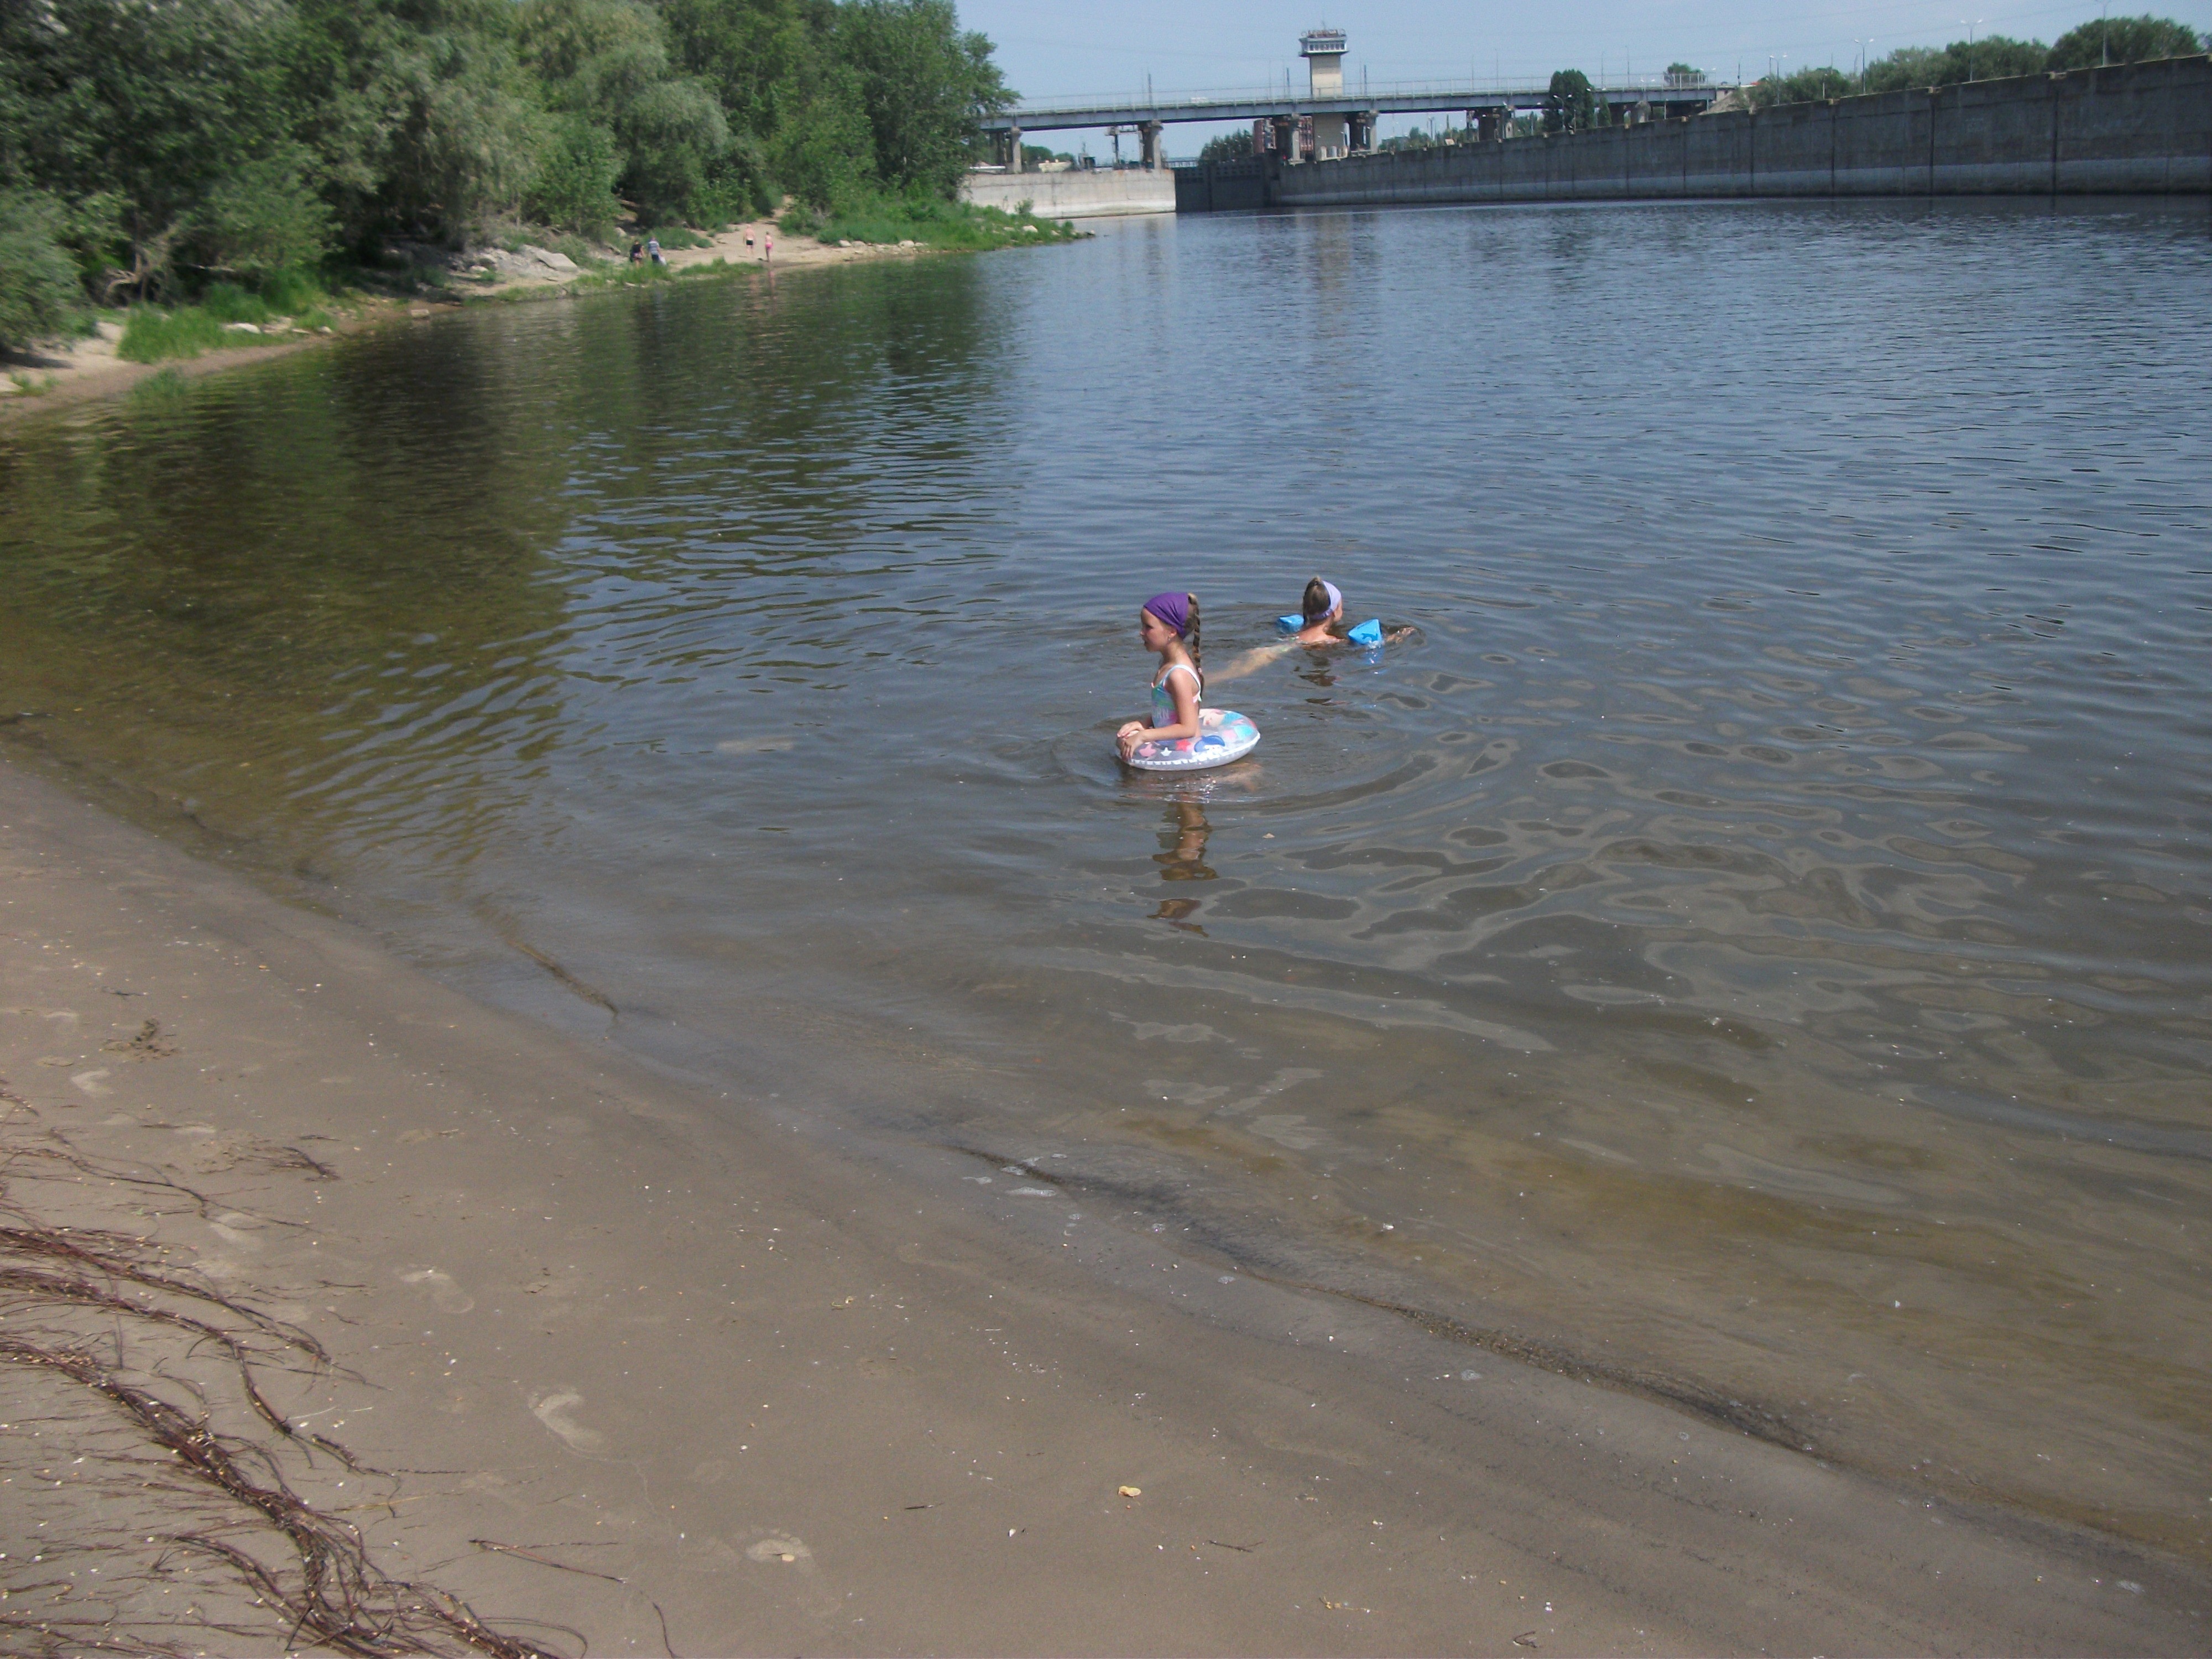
[1570, 105]
[1804, 86]
[153, 105]
[39, 291]
[153, 333]
[2123, 40]
[577, 171]
[1989, 58]
[760, 56]
[1228, 147]
[923, 82]
[177, 143]
[1998, 57]
[826, 152]
[263, 216]
[606, 64]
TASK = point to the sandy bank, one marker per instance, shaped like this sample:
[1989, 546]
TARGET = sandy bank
[67, 372]
[611, 1349]
[64, 373]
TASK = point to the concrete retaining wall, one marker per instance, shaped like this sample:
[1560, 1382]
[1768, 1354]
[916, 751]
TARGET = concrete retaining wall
[2137, 127]
[1073, 195]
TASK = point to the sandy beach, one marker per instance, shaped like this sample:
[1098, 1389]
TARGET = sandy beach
[599, 1355]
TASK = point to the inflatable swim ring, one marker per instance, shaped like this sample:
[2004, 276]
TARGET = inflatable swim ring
[1225, 735]
[1368, 633]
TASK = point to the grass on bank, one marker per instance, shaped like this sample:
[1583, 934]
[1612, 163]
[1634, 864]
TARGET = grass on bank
[153, 333]
[952, 226]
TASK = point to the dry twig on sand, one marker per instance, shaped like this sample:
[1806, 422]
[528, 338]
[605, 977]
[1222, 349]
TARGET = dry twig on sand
[138, 1391]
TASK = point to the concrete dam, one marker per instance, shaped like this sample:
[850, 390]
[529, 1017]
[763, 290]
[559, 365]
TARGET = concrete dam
[2135, 128]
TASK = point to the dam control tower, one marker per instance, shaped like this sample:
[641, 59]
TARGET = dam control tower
[1323, 51]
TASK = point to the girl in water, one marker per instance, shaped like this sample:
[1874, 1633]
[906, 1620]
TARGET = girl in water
[1320, 612]
[1322, 606]
[1167, 625]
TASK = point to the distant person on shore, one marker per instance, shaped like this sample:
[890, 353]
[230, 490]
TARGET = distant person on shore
[767, 247]
[653, 251]
[1168, 626]
[637, 252]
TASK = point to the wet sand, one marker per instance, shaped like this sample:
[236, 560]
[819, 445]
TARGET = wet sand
[619, 1357]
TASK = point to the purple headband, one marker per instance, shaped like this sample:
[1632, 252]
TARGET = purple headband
[1173, 609]
[1335, 596]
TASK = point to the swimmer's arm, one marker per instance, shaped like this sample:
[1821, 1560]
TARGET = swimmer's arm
[1259, 657]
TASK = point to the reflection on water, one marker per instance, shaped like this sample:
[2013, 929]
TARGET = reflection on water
[1751, 946]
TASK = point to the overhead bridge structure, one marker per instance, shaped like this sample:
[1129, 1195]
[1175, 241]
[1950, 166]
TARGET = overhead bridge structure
[1354, 112]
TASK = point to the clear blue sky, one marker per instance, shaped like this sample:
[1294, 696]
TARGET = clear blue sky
[1050, 48]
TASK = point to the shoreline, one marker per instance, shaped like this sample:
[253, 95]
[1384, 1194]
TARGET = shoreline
[77, 372]
[649, 1355]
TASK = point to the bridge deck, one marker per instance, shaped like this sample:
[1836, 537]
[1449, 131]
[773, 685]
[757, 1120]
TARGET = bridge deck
[1394, 100]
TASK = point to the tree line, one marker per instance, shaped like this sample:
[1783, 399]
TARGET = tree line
[1989, 58]
[147, 147]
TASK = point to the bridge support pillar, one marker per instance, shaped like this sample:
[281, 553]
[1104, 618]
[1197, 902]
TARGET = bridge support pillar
[1013, 150]
[1150, 131]
[1286, 138]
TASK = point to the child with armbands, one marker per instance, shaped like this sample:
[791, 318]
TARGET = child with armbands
[1319, 621]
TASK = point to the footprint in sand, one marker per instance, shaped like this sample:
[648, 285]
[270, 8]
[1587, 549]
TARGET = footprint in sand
[813, 1591]
[237, 1228]
[553, 1411]
[775, 1547]
[446, 1296]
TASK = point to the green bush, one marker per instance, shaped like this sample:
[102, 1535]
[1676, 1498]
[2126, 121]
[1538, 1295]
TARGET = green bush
[1570, 103]
[263, 217]
[574, 189]
[151, 333]
[40, 295]
[2123, 40]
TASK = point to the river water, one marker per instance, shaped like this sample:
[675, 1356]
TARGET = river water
[1754, 944]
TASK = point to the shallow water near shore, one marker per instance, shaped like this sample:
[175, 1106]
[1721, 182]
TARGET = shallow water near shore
[1754, 945]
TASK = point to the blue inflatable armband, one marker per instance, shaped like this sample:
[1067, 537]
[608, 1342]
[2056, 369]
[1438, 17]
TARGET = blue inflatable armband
[1367, 633]
[1291, 624]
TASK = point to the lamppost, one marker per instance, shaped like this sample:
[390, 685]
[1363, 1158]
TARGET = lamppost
[1970, 28]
